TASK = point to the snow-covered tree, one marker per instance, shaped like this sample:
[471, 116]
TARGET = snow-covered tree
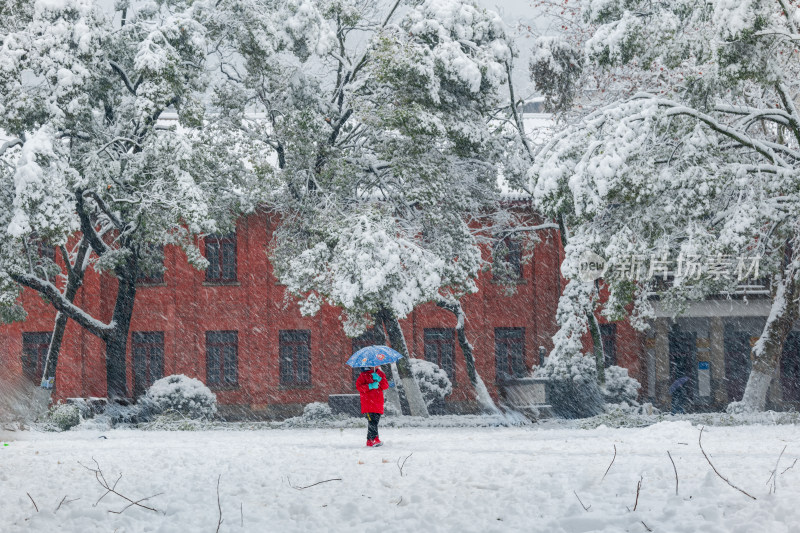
[700, 168]
[378, 123]
[83, 92]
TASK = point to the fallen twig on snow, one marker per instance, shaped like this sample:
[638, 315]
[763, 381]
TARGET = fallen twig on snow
[313, 484]
[723, 478]
[676, 472]
[67, 501]
[579, 501]
[400, 466]
[645, 525]
[789, 467]
[33, 502]
[612, 462]
[638, 488]
[219, 506]
[774, 475]
[111, 489]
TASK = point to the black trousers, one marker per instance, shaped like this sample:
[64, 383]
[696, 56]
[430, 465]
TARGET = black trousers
[372, 425]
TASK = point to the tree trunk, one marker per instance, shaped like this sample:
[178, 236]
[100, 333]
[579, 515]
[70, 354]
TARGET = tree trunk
[117, 341]
[416, 403]
[766, 353]
[599, 353]
[482, 395]
[392, 393]
[594, 327]
[75, 275]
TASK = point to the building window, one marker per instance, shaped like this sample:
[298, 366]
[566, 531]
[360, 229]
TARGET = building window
[371, 337]
[151, 266]
[439, 349]
[148, 359]
[34, 353]
[507, 259]
[221, 256]
[295, 357]
[222, 358]
[790, 368]
[608, 332]
[509, 353]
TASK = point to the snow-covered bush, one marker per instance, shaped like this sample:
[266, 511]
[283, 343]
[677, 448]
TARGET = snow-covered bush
[433, 381]
[573, 391]
[389, 408]
[65, 416]
[182, 394]
[620, 387]
[317, 411]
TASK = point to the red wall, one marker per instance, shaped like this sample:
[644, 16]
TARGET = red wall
[185, 307]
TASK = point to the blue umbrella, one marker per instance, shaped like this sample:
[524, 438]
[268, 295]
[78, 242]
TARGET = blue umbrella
[373, 356]
[677, 384]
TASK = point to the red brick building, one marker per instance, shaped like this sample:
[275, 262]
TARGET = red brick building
[235, 328]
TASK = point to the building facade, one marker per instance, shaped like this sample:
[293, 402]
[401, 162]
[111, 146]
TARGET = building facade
[236, 329]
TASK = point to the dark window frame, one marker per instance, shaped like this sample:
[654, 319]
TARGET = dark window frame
[35, 345]
[147, 347]
[437, 343]
[221, 251]
[512, 257]
[222, 359]
[294, 354]
[608, 334]
[509, 354]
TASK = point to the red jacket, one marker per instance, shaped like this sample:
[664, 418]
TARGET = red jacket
[371, 399]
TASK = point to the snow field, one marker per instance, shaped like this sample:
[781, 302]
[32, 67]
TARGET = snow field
[454, 479]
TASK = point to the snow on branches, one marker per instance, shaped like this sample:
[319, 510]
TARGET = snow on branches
[703, 159]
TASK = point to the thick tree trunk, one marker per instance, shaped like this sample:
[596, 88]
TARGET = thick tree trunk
[117, 341]
[594, 327]
[766, 353]
[416, 403]
[481, 393]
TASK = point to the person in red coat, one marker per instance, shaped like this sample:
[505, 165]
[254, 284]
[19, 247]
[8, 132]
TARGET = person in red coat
[371, 384]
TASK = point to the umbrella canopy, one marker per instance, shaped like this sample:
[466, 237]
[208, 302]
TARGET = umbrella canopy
[677, 384]
[373, 356]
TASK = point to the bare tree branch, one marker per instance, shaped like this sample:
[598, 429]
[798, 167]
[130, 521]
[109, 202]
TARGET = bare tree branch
[125, 79]
[33, 502]
[63, 305]
[723, 478]
[676, 472]
[111, 489]
[612, 462]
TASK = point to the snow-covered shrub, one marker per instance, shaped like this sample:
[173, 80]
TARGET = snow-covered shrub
[181, 394]
[317, 411]
[573, 391]
[433, 381]
[389, 408]
[620, 387]
[65, 416]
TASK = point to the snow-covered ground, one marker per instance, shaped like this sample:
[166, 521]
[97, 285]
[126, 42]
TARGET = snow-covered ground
[454, 479]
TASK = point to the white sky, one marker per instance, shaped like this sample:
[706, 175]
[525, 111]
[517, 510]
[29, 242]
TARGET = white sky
[519, 15]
